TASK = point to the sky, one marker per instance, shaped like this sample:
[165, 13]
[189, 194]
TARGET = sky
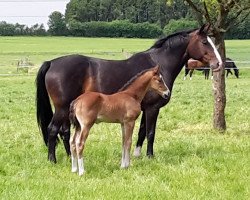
[30, 12]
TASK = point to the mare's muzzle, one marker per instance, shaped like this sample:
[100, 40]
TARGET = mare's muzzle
[216, 66]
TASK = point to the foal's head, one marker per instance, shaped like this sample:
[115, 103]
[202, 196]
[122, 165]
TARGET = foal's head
[157, 83]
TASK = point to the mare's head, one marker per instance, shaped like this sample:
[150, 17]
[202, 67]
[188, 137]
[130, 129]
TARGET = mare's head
[157, 83]
[202, 48]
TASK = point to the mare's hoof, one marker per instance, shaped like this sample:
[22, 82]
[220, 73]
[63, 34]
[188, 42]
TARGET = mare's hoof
[137, 152]
[52, 159]
[150, 155]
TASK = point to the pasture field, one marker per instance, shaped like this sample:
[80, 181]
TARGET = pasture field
[192, 160]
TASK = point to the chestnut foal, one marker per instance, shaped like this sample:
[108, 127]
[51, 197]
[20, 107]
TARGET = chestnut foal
[123, 107]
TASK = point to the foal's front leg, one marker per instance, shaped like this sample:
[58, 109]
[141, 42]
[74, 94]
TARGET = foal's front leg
[127, 132]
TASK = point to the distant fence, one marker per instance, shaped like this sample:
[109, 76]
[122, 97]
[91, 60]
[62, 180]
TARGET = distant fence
[29, 68]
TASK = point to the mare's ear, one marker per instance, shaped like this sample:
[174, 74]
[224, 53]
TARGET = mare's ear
[157, 69]
[204, 29]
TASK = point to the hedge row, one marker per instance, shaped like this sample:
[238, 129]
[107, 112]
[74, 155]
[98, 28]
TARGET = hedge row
[121, 28]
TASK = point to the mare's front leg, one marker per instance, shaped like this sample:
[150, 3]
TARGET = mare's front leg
[151, 119]
[127, 132]
[141, 136]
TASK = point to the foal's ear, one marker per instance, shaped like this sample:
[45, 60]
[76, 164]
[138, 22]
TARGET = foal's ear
[157, 69]
[204, 29]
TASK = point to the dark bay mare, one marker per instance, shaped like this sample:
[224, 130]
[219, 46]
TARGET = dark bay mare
[123, 107]
[65, 78]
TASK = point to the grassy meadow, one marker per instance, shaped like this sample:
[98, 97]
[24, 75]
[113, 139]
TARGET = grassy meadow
[192, 160]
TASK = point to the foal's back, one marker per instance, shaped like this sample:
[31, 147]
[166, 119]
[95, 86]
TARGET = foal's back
[100, 107]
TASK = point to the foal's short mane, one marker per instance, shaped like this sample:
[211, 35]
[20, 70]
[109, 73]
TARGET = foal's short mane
[124, 87]
[172, 39]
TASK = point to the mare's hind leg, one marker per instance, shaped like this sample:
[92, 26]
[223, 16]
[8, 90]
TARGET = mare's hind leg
[65, 135]
[141, 136]
[53, 129]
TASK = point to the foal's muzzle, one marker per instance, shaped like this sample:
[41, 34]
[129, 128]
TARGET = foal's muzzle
[166, 94]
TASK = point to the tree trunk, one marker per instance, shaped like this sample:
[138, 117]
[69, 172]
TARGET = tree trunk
[219, 87]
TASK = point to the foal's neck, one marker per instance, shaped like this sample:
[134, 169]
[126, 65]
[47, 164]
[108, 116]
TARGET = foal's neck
[139, 87]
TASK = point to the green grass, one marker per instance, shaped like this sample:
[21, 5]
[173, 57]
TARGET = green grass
[192, 160]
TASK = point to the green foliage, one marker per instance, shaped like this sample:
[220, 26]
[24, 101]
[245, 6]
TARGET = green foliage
[136, 11]
[240, 31]
[7, 29]
[56, 23]
[178, 25]
[118, 28]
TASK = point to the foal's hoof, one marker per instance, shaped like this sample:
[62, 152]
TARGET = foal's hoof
[81, 173]
[137, 152]
[74, 170]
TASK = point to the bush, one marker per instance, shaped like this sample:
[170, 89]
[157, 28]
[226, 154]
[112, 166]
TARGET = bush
[179, 25]
[117, 28]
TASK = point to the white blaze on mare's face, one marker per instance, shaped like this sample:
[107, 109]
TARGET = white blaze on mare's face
[215, 50]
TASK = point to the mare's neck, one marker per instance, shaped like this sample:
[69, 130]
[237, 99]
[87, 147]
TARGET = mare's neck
[139, 87]
[171, 61]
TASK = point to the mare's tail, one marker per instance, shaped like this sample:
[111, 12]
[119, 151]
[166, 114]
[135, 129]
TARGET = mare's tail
[44, 112]
[72, 115]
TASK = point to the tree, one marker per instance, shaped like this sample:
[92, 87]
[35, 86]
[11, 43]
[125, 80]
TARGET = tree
[179, 25]
[221, 15]
[57, 24]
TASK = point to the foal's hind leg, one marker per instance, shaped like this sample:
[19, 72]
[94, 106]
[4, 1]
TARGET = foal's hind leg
[141, 136]
[73, 150]
[80, 144]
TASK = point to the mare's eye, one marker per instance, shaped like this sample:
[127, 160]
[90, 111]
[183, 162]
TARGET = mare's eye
[204, 41]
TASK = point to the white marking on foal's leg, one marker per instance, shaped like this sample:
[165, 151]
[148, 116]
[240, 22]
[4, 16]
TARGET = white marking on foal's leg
[184, 78]
[125, 160]
[212, 77]
[81, 166]
[123, 157]
[137, 152]
[74, 164]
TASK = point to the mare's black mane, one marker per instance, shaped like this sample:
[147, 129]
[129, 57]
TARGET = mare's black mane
[172, 39]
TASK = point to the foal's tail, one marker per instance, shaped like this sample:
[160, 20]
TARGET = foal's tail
[72, 115]
[44, 112]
